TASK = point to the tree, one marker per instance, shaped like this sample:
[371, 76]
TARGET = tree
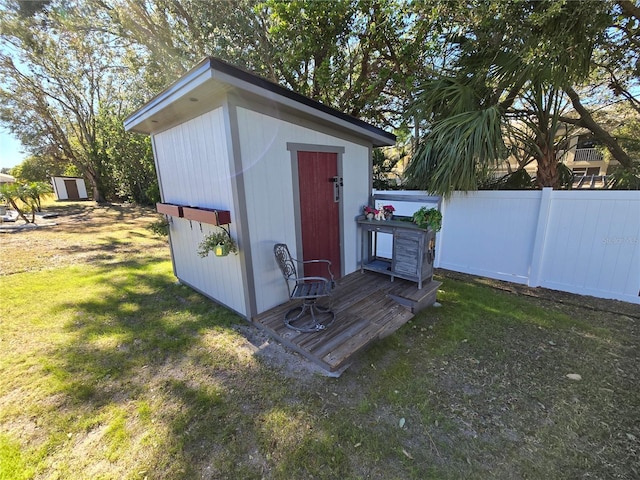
[29, 195]
[359, 56]
[131, 168]
[56, 73]
[11, 194]
[38, 169]
[382, 172]
[517, 63]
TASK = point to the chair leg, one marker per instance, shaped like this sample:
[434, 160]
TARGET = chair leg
[309, 317]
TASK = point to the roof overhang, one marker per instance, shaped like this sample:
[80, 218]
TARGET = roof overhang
[201, 89]
[6, 178]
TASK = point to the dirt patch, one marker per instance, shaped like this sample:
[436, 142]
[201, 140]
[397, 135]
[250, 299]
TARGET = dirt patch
[82, 232]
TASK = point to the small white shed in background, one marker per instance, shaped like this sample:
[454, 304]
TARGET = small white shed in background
[69, 188]
[276, 166]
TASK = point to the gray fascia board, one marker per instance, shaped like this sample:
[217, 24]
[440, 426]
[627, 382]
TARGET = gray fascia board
[195, 77]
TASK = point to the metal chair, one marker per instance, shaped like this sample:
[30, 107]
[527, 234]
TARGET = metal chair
[309, 316]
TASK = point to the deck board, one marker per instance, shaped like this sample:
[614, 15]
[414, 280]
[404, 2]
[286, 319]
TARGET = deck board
[365, 311]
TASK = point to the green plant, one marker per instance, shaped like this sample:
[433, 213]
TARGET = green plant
[626, 178]
[219, 243]
[428, 217]
[159, 227]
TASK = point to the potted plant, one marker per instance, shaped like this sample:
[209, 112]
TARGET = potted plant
[428, 218]
[388, 211]
[220, 243]
[369, 212]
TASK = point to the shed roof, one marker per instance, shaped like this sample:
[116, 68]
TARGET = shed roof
[192, 94]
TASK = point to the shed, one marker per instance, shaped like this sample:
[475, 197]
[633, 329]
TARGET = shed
[277, 166]
[69, 188]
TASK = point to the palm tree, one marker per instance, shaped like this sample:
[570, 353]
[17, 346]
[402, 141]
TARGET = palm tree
[12, 193]
[518, 63]
[35, 191]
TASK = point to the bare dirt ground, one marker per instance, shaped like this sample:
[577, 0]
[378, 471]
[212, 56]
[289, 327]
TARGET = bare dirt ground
[80, 232]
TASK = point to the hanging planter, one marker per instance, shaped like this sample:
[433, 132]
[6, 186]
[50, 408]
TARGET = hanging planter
[220, 243]
[169, 209]
[207, 215]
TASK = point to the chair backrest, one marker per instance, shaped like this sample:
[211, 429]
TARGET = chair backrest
[285, 262]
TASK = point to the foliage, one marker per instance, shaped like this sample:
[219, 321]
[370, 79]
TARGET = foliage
[215, 239]
[625, 178]
[456, 152]
[20, 195]
[520, 61]
[131, 169]
[38, 169]
[160, 227]
[58, 74]
[428, 217]
[10, 193]
[626, 131]
[565, 176]
[383, 174]
[516, 180]
[359, 57]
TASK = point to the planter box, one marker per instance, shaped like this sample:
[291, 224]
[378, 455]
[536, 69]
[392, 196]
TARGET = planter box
[169, 209]
[207, 215]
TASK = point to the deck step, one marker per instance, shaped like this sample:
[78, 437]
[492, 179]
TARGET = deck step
[418, 300]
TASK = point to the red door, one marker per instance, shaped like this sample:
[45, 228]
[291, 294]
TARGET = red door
[319, 210]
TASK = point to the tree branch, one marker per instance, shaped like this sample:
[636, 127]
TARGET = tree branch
[587, 121]
[629, 8]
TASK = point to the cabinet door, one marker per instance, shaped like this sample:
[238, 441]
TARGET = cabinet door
[406, 249]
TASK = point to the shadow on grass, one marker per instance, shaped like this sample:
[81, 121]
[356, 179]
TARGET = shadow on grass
[140, 320]
[475, 389]
[142, 343]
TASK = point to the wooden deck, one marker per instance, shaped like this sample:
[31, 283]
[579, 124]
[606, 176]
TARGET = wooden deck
[368, 307]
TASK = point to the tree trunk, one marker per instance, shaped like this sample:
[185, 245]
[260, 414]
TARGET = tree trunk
[94, 180]
[98, 196]
[547, 175]
[20, 212]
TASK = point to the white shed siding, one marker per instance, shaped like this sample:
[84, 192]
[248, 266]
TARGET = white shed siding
[268, 178]
[60, 188]
[193, 164]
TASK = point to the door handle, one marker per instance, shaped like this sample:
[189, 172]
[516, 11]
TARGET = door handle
[337, 183]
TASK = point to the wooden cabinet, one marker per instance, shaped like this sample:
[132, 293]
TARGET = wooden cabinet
[413, 250]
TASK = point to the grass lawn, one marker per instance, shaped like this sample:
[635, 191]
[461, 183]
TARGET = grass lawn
[110, 369]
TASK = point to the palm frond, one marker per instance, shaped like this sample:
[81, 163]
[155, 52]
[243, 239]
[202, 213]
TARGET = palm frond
[457, 150]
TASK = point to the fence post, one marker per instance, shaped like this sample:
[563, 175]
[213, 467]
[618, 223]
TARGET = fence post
[444, 203]
[537, 252]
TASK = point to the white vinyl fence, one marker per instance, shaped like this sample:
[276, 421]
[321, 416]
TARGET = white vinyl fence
[585, 242]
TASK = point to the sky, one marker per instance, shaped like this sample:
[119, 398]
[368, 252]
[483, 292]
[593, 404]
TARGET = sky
[10, 150]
